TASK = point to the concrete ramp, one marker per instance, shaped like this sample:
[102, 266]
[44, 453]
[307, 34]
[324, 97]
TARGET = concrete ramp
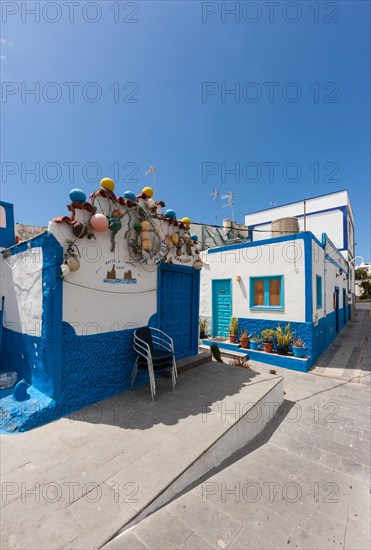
[128, 456]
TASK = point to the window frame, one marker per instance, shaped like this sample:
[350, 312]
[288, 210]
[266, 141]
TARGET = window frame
[319, 303]
[266, 279]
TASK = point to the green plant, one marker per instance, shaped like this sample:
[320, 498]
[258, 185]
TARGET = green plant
[284, 336]
[240, 362]
[214, 348]
[233, 326]
[298, 343]
[203, 328]
[268, 335]
[255, 339]
[244, 335]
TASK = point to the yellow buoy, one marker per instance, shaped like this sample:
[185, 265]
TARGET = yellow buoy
[148, 191]
[107, 183]
[186, 220]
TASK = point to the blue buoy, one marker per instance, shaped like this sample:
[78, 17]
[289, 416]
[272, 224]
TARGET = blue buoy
[130, 196]
[77, 195]
[170, 214]
[20, 391]
[194, 237]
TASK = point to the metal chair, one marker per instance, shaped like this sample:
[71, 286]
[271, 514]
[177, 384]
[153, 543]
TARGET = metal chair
[155, 355]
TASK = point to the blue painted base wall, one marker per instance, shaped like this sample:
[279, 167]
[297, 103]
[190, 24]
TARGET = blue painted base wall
[96, 367]
[316, 337]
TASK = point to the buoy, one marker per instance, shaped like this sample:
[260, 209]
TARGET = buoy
[145, 235]
[145, 226]
[115, 224]
[130, 196]
[107, 183]
[197, 264]
[148, 191]
[146, 245]
[194, 237]
[77, 195]
[73, 263]
[170, 214]
[137, 227]
[175, 238]
[186, 220]
[99, 222]
[79, 230]
[117, 213]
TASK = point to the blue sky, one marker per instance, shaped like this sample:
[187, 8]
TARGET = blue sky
[315, 55]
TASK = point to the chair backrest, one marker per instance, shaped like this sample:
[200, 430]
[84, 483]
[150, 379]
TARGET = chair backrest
[144, 333]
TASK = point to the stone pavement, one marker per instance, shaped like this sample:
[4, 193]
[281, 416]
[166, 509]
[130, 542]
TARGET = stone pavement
[348, 358]
[304, 482]
[76, 482]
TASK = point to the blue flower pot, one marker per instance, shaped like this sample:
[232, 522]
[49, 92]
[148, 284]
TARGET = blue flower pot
[254, 345]
[299, 352]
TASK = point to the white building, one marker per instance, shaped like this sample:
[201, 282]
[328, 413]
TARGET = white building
[302, 278]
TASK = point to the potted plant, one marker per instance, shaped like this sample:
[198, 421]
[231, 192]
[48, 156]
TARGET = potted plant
[233, 329]
[255, 343]
[283, 339]
[298, 347]
[244, 339]
[268, 339]
[203, 329]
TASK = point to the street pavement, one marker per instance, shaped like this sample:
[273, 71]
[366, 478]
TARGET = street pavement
[303, 483]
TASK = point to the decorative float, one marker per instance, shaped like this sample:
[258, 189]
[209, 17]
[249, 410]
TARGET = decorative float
[151, 235]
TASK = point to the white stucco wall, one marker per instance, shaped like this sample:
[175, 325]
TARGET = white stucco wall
[279, 258]
[21, 284]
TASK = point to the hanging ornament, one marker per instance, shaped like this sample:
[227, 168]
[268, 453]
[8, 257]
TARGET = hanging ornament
[174, 238]
[145, 226]
[107, 183]
[148, 191]
[146, 245]
[130, 196]
[77, 195]
[117, 213]
[170, 214]
[186, 237]
[186, 221]
[73, 262]
[79, 230]
[99, 222]
[198, 264]
[137, 227]
[115, 224]
[194, 237]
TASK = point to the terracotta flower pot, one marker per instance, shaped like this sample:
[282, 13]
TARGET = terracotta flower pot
[232, 338]
[268, 347]
[244, 344]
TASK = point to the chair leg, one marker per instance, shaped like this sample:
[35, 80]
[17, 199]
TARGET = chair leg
[134, 373]
[174, 367]
[173, 378]
[152, 380]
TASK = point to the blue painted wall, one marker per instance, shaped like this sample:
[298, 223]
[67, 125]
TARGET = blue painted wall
[7, 234]
[38, 359]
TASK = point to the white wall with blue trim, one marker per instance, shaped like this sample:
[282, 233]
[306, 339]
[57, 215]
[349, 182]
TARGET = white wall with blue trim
[74, 295]
[299, 261]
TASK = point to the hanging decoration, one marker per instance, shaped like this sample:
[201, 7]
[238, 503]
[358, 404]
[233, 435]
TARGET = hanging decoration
[152, 236]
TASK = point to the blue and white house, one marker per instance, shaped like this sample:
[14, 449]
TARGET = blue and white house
[300, 276]
[73, 296]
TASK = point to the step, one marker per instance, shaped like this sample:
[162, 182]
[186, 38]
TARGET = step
[184, 365]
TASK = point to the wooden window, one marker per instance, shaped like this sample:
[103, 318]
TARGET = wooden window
[266, 292]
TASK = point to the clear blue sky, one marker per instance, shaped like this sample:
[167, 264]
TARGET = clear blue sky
[169, 53]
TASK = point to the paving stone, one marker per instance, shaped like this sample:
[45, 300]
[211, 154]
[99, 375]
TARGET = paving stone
[247, 539]
[127, 540]
[195, 542]
[167, 532]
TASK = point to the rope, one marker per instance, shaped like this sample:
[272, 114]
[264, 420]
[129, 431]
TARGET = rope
[110, 291]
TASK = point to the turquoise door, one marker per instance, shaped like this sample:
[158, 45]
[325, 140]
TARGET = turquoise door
[222, 306]
[178, 307]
